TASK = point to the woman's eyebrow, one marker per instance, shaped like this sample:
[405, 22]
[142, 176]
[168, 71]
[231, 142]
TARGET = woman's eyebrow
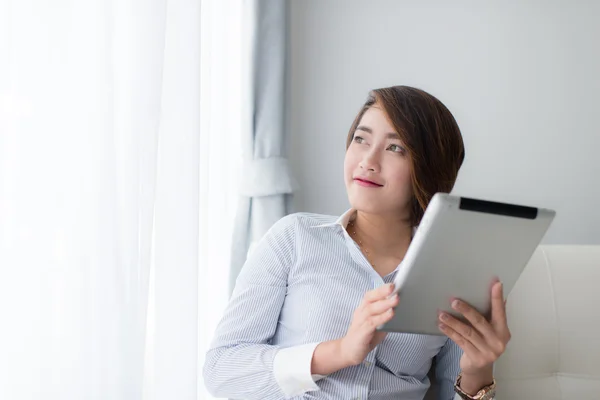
[390, 135]
[364, 128]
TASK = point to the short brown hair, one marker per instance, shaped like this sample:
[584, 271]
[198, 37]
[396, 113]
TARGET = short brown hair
[431, 136]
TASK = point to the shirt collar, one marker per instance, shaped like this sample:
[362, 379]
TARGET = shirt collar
[346, 218]
[342, 221]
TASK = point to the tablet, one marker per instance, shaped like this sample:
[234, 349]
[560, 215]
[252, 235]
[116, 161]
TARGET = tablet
[460, 248]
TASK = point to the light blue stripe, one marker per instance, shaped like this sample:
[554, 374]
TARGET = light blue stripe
[301, 284]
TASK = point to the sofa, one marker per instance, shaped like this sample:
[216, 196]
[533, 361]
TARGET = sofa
[554, 316]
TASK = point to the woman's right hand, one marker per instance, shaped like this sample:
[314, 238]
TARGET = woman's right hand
[362, 336]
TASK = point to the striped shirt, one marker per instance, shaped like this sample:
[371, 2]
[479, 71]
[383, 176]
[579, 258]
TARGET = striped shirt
[299, 287]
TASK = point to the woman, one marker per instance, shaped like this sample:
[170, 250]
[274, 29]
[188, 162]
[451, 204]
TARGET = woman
[302, 320]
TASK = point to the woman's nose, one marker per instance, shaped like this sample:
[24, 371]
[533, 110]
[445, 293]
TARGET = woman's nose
[370, 162]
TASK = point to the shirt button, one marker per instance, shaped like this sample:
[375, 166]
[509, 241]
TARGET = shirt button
[367, 363]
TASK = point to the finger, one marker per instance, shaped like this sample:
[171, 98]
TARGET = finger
[371, 323]
[466, 345]
[381, 306]
[477, 320]
[466, 331]
[377, 294]
[498, 306]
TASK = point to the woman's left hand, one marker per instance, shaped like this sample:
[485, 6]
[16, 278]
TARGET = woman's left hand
[483, 342]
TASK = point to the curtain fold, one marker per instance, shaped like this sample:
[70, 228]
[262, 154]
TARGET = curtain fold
[172, 355]
[267, 183]
[220, 159]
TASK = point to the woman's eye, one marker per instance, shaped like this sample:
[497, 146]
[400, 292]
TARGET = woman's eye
[396, 149]
[359, 139]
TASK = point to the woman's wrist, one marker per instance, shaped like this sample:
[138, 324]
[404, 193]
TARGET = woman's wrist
[473, 382]
[328, 358]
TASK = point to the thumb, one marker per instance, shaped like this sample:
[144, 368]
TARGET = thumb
[378, 338]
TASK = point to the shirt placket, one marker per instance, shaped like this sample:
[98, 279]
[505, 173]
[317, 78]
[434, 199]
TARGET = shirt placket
[361, 260]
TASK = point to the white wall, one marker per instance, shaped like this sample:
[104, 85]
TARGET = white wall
[522, 80]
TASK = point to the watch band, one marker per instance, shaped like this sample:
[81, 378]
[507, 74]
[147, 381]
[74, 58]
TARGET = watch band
[486, 393]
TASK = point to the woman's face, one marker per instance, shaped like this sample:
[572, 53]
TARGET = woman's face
[377, 167]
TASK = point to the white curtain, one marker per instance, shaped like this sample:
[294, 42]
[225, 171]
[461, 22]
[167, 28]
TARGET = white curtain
[223, 50]
[118, 149]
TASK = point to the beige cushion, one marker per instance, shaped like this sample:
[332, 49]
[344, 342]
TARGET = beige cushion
[554, 316]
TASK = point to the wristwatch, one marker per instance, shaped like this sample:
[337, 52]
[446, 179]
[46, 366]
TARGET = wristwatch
[486, 393]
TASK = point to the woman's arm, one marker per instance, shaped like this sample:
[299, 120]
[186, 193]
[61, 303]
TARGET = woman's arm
[240, 362]
[328, 358]
[243, 364]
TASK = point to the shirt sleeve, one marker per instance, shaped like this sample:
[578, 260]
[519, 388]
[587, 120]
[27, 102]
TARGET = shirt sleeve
[447, 369]
[240, 361]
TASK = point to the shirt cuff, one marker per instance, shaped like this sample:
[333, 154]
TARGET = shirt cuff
[292, 369]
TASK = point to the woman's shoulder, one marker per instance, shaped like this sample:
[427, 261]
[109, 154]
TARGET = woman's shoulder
[284, 234]
[301, 224]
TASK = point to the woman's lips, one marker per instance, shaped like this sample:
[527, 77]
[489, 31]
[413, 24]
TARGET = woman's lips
[366, 183]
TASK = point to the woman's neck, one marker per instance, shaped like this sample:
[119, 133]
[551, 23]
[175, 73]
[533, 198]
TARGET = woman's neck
[383, 235]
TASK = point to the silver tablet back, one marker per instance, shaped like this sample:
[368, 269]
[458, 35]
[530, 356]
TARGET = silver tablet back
[461, 246]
